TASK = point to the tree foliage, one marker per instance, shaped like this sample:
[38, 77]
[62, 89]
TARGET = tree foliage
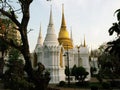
[93, 71]
[14, 77]
[67, 71]
[10, 9]
[80, 73]
[108, 66]
[114, 46]
[4, 30]
[109, 59]
[73, 71]
[14, 63]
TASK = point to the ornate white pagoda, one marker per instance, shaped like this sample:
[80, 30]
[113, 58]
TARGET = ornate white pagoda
[50, 51]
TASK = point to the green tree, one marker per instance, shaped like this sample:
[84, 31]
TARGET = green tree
[114, 46]
[7, 8]
[14, 64]
[67, 71]
[80, 73]
[14, 77]
[73, 71]
[92, 71]
[9, 12]
[4, 27]
[3, 50]
[108, 64]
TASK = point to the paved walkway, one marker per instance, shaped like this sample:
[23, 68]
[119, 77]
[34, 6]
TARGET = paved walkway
[60, 88]
[73, 89]
[65, 88]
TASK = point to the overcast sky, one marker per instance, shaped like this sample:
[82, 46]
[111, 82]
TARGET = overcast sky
[89, 18]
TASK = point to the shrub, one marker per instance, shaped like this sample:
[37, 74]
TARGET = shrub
[82, 84]
[94, 87]
[115, 84]
[18, 83]
[62, 83]
[106, 85]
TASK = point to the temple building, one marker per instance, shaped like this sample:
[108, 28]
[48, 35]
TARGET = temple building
[55, 52]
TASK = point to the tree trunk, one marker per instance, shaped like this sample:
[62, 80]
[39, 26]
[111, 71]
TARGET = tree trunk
[1, 64]
[1, 67]
[28, 66]
[26, 53]
[24, 48]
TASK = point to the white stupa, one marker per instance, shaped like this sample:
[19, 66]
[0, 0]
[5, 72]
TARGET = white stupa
[50, 51]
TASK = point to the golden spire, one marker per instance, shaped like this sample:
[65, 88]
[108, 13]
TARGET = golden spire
[63, 30]
[63, 24]
[84, 42]
[63, 37]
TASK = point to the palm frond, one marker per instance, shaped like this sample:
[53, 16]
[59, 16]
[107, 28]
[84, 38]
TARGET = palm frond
[114, 28]
[118, 14]
[114, 47]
